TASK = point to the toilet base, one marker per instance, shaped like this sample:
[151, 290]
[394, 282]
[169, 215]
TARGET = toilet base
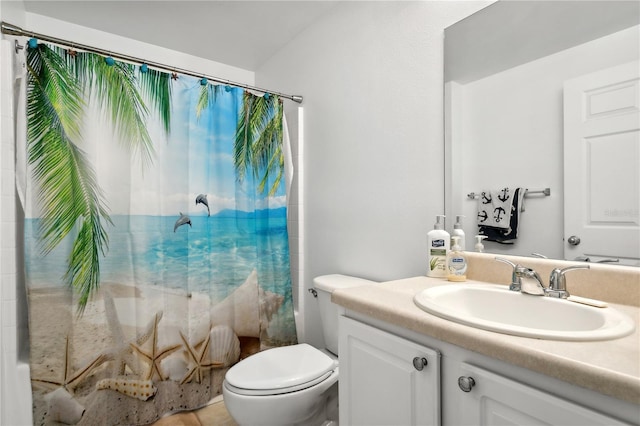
[329, 415]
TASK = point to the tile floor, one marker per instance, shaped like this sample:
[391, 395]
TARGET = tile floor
[214, 414]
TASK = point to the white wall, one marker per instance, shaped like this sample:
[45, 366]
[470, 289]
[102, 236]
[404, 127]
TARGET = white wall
[14, 371]
[371, 74]
[511, 131]
[12, 12]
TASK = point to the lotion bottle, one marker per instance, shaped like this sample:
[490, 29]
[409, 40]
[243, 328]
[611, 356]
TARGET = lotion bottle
[456, 262]
[438, 243]
[458, 231]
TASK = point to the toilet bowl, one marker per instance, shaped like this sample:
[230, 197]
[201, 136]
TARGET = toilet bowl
[292, 385]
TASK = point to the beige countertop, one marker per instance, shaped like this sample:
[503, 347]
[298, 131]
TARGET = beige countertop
[611, 367]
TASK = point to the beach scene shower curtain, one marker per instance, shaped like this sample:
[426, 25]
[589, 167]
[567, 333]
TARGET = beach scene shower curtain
[155, 235]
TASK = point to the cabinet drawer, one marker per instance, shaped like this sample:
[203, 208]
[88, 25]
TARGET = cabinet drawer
[496, 400]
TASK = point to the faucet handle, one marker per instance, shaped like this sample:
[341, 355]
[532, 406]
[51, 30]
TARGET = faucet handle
[516, 282]
[507, 261]
[558, 282]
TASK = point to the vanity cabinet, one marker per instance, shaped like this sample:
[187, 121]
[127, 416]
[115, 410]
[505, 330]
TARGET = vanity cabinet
[486, 398]
[380, 385]
[385, 379]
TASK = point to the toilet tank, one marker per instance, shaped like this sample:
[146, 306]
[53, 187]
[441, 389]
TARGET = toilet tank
[330, 312]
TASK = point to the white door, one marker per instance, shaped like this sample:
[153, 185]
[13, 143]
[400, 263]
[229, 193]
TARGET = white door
[386, 380]
[601, 165]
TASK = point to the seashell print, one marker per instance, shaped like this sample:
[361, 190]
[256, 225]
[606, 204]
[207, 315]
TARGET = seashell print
[248, 309]
[175, 367]
[224, 346]
[63, 408]
[135, 388]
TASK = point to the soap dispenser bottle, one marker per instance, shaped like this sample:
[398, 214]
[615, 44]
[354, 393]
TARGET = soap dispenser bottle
[479, 246]
[438, 243]
[458, 231]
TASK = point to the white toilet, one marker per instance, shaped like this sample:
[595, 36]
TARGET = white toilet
[292, 385]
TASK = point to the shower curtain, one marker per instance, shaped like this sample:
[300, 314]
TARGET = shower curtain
[156, 247]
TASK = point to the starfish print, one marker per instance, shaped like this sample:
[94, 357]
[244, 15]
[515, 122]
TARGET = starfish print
[122, 352]
[156, 355]
[174, 76]
[70, 380]
[198, 359]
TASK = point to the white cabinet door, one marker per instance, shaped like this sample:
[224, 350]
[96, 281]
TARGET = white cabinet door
[379, 383]
[496, 400]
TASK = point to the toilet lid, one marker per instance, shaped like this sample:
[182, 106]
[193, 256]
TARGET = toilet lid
[280, 368]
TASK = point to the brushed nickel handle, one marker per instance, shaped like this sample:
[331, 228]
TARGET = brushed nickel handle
[419, 363]
[466, 383]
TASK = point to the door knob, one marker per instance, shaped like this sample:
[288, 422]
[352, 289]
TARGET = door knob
[573, 240]
[419, 363]
[466, 383]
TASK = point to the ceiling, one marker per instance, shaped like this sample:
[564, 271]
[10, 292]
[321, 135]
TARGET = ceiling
[243, 34]
[509, 33]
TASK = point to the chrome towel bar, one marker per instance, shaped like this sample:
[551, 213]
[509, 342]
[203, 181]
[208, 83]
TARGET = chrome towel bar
[546, 192]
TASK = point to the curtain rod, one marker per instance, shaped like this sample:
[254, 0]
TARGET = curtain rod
[17, 31]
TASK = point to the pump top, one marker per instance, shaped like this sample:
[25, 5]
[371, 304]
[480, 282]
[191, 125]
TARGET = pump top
[438, 224]
[456, 243]
[458, 224]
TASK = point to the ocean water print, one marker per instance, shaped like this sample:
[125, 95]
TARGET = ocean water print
[215, 253]
[214, 256]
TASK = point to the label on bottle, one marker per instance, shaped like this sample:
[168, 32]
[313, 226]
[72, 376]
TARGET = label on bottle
[437, 263]
[437, 243]
[438, 251]
[457, 265]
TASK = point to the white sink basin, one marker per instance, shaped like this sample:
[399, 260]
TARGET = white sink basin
[496, 308]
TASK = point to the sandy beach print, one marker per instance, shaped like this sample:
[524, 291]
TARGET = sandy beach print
[161, 318]
[91, 336]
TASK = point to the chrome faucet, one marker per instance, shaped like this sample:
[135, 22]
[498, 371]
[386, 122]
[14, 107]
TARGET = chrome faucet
[558, 282]
[531, 282]
[526, 280]
[523, 279]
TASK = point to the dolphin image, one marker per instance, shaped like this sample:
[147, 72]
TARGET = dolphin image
[181, 221]
[202, 198]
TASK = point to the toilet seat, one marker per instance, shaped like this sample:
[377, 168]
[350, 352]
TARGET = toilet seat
[280, 370]
[266, 392]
